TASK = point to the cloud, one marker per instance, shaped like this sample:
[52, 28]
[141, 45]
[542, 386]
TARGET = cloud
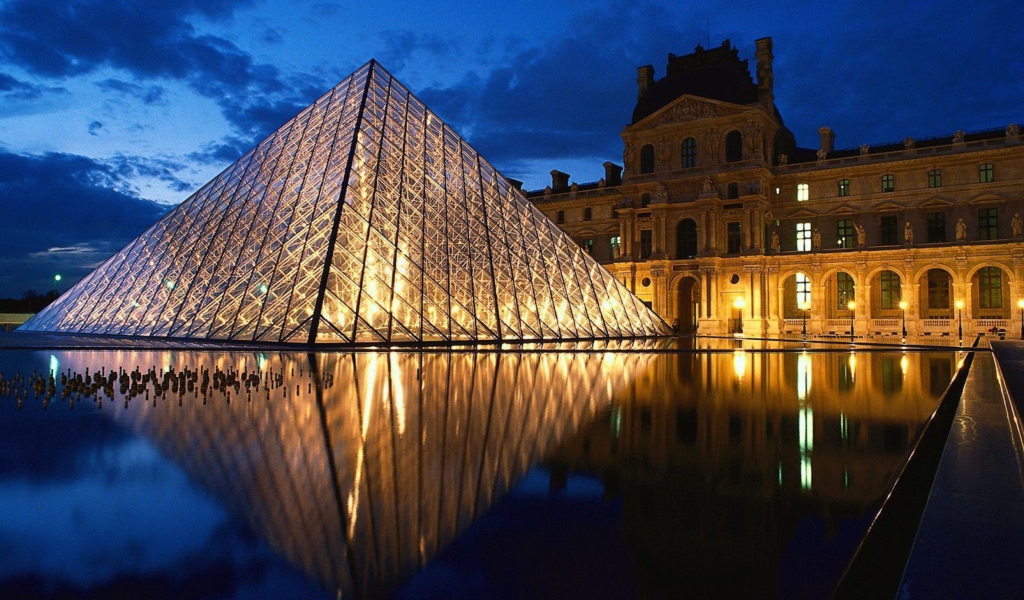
[153, 39]
[15, 89]
[400, 46]
[64, 201]
[148, 94]
[95, 127]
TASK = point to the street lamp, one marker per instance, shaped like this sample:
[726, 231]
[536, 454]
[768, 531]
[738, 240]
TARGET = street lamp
[804, 307]
[851, 305]
[903, 307]
[960, 319]
[739, 304]
[1020, 305]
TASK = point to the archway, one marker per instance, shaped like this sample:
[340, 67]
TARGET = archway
[687, 305]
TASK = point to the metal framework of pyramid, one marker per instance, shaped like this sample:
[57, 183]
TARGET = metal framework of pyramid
[363, 220]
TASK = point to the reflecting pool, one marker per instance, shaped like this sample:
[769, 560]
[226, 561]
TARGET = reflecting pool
[576, 472]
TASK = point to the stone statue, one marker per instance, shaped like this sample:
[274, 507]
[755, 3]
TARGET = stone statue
[864, 148]
[1018, 225]
[783, 159]
[961, 230]
[908, 233]
[958, 137]
[1012, 130]
[708, 187]
[861, 235]
[908, 142]
[822, 154]
[660, 194]
[776, 246]
[816, 239]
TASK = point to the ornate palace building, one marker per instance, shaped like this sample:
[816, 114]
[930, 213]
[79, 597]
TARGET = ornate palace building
[722, 224]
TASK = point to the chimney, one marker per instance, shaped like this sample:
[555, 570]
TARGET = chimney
[644, 80]
[559, 181]
[515, 183]
[612, 174]
[765, 74]
[828, 139]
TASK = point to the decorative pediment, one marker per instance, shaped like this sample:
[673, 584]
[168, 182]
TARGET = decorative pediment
[937, 202]
[690, 108]
[987, 198]
[888, 207]
[844, 209]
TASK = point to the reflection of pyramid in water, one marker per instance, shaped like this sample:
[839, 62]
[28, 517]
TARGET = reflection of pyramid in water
[365, 219]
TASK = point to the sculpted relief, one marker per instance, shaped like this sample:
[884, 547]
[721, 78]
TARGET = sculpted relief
[690, 110]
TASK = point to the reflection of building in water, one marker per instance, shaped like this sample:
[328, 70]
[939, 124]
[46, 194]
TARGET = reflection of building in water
[723, 459]
[362, 482]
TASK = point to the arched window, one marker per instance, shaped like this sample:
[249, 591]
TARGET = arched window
[939, 283]
[734, 146]
[689, 153]
[686, 239]
[647, 159]
[844, 290]
[990, 288]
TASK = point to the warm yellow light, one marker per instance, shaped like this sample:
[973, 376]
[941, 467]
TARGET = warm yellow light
[739, 363]
[804, 305]
[959, 303]
[1020, 303]
[739, 303]
[903, 305]
[851, 305]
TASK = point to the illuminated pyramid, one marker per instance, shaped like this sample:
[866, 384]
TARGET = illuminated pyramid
[363, 220]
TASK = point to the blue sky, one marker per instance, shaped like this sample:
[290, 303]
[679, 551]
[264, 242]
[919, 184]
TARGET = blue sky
[111, 110]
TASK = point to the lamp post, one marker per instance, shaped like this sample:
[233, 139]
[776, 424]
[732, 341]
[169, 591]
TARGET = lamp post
[851, 305]
[739, 304]
[1020, 305]
[960, 319]
[903, 307]
[804, 307]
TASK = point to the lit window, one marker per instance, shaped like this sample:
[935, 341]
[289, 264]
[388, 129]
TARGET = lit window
[616, 243]
[689, 153]
[803, 290]
[587, 214]
[891, 293]
[888, 183]
[986, 174]
[935, 178]
[844, 232]
[803, 237]
[560, 217]
[988, 224]
[647, 159]
[803, 192]
[844, 188]
[936, 227]
[844, 290]
[588, 245]
[990, 287]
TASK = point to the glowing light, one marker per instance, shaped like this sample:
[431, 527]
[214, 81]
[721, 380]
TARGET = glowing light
[903, 305]
[263, 288]
[739, 363]
[803, 376]
[851, 305]
[739, 303]
[1020, 304]
[959, 304]
[169, 284]
[904, 364]
[852, 361]
[54, 365]
[56, 277]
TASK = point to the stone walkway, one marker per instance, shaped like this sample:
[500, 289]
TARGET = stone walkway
[970, 543]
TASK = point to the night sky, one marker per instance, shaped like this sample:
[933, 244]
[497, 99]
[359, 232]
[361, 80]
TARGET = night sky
[111, 111]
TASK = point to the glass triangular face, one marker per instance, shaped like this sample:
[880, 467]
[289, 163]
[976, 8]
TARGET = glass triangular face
[365, 219]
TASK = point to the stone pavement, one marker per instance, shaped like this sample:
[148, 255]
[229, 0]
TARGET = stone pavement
[969, 543]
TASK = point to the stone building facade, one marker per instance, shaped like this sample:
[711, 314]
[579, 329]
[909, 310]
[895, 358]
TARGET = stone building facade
[724, 225]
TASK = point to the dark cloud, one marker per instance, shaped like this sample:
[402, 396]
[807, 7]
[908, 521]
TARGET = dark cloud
[154, 39]
[148, 94]
[55, 202]
[95, 127]
[400, 47]
[15, 89]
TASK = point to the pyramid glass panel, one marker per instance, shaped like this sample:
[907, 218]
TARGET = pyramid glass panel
[363, 220]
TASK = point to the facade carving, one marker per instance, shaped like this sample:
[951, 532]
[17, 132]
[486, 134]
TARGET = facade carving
[757, 222]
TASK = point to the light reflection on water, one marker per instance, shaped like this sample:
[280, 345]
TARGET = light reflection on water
[360, 468]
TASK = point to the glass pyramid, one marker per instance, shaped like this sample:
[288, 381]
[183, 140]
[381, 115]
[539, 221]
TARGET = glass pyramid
[363, 220]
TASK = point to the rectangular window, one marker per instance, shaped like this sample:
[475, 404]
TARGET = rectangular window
[803, 290]
[733, 190]
[733, 237]
[844, 188]
[646, 243]
[616, 243]
[560, 217]
[587, 214]
[588, 245]
[936, 227]
[990, 287]
[935, 178]
[803, 192]
[986, 174]
[889, 231]
[988, 224]
[844, 290]
[844, 232]
[803, 237]
[938, 289]
[888, 183]
[891, 293]
[645, 200]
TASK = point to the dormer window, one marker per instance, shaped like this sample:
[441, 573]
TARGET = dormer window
[803, 192]
[647, 159]
[689, 153]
